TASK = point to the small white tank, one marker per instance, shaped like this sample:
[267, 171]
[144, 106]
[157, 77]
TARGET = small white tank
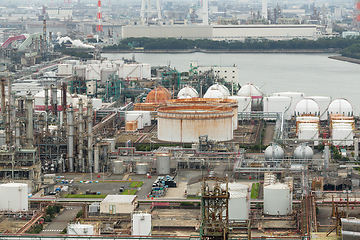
[273, 152]
[303, 152]
[277, 199]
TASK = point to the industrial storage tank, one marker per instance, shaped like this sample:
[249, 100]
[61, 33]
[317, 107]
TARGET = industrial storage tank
[188, 92]
[307, 107]
[118, 167]
[158, 95]
[277, 199]
[138, 117]
[308, 131]
[239, 206]
[251, 90]
[146, 116]
[278, 104]
[295, 98]
[14, 196]
[82, 229]
[274, 152]
[323, 103]
[214, 93]
[163, 164]
[221, 88]
[244, 103]
[141, 224]
[341, 106]
[303, 152]
[141, 168]
[184, 123]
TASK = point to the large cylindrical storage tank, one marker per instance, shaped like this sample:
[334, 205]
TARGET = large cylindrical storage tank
[277, 199]
[163, 164]
[252, 91]
[278, 104]
[303, 152]
[14, 197]
[146, 116]
[274, 152]
[295, 98]
[187, 123]
[323, 103]
[141, 168]
[341, 106]
[118, 167]
[239, 206]
[141, 224]
[307, 107]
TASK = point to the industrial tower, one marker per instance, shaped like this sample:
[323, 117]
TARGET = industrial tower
[146, 8]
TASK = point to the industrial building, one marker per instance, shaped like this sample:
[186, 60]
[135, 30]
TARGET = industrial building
[118, 204]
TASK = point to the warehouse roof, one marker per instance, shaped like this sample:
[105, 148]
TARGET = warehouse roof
[119, 198]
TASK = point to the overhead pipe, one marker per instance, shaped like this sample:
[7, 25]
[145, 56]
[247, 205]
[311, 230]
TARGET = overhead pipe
[70, 142]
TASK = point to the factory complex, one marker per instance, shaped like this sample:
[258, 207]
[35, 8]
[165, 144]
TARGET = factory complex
[122, 149]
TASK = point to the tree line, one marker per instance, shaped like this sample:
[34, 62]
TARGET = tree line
[335, 43]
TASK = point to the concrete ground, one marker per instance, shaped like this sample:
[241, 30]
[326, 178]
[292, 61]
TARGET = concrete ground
[12, 224]
[60, 222]
[269, 133]
[175, 217]
[178, 192]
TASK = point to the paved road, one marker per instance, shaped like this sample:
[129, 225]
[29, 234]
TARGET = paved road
[60, 222]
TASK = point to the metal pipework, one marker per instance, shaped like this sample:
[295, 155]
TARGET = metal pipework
[70, 142]
[21, 105]
[63, 101]
[46, 100]
[29, 120]
[7, 126]
[81, 135]
[90, 135]
[54, 99]
[17, 133]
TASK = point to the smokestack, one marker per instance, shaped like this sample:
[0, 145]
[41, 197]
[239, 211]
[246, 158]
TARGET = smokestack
[90, 135]
[81, 135]
[142, 11]
[70, 143]
[29, 118]
[96, 159]
[2, 86]
[264, 9]
[17, 133]
[205, 12]
[7, 126]
[99, 27]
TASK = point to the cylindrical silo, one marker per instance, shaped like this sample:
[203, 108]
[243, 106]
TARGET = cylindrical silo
[239, 206]
[163, 164]
[277, 199]
[141, 168]
[14, 196]
[118, 167]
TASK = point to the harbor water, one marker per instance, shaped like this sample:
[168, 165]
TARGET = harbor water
[311, 73]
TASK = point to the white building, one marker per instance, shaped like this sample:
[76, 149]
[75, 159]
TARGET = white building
[118, 204]
[228, 73]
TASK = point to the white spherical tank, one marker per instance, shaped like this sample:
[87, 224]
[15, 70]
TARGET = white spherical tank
[277, 199]
[187, 123]
[295, 98]
[274, 152]
[303, 152]
[141, 168]
[323, 103]
[118, 167]
[341, 106]
[163, 164]
[221, 88]
[188, 92]
[306, 107]
[214, 93]
[141, 224]
[239, 206]
[251, 90]
[14, 197]
[244, 103]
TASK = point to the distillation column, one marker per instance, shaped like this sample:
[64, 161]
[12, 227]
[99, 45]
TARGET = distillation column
[54, 100]
[90, 135]
[7, 125]
[81, 135]
[17, 133]
[70, 143]
[29, 122]
[96, 159]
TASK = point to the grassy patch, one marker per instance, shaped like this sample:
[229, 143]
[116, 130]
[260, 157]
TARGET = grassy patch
[129, 192]
[255, 190]
[197, 197]
[136, 184]
[85, 196]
